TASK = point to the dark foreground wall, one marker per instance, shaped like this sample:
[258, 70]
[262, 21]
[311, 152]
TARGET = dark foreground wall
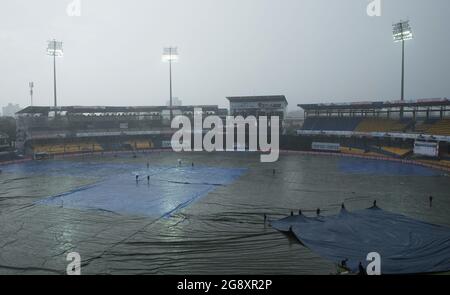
[295, 142]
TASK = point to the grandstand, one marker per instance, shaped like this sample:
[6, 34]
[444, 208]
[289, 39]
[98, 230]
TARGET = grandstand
[79, 129]
[392, 128]
[398, 129]
[427, 116]
[441, 127]
[82, 129]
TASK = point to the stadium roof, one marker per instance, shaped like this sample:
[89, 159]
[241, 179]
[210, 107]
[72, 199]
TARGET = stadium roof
[280, 98]
[429, 102]
[110, 109]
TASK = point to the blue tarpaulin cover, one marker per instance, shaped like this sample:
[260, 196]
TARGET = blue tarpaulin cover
[118, 191]
[377, 167]
[405, 245]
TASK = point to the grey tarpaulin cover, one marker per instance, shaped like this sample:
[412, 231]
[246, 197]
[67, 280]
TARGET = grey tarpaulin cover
[404, 244]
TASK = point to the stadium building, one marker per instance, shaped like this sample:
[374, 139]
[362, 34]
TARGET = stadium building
[269, 106]
[419, 128]
[257, 106]
[80, 129]
[106, 199]
[274, 105]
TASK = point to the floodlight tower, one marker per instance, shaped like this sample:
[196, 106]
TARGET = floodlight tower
[170, 54]
[31, 84]
[55, 49]
[402, 32]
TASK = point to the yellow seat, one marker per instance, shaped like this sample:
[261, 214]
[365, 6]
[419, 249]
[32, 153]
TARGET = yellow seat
[380, 125]
[441, 127]
[395, 150]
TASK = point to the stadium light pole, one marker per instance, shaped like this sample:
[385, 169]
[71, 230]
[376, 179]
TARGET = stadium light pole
[170, 54]
[54, 49]
[31, 85]
[402, 32]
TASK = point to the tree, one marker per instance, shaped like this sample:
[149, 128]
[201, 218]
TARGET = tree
[8, 126]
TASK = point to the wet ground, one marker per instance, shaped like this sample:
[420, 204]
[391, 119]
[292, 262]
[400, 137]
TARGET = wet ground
[220, 230]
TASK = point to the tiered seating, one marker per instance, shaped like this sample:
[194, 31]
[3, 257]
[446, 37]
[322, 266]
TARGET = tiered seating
[115, 146]
[331, 123]
[382, 125]
[140, 144]
[48, 148]
[72, 148]
[359, 124]
[442, 127]
[67, 148]
[424, 126]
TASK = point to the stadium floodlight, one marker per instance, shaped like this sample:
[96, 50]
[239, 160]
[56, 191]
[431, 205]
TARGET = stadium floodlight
[55, 48]
[170, 54]
[31, 85]
[402, 32]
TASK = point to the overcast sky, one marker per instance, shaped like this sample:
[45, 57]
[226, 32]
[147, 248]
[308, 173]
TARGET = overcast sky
[309, 50]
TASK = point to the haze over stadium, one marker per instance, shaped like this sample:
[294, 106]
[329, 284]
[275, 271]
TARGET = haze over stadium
[224, 137]
[309, 50]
